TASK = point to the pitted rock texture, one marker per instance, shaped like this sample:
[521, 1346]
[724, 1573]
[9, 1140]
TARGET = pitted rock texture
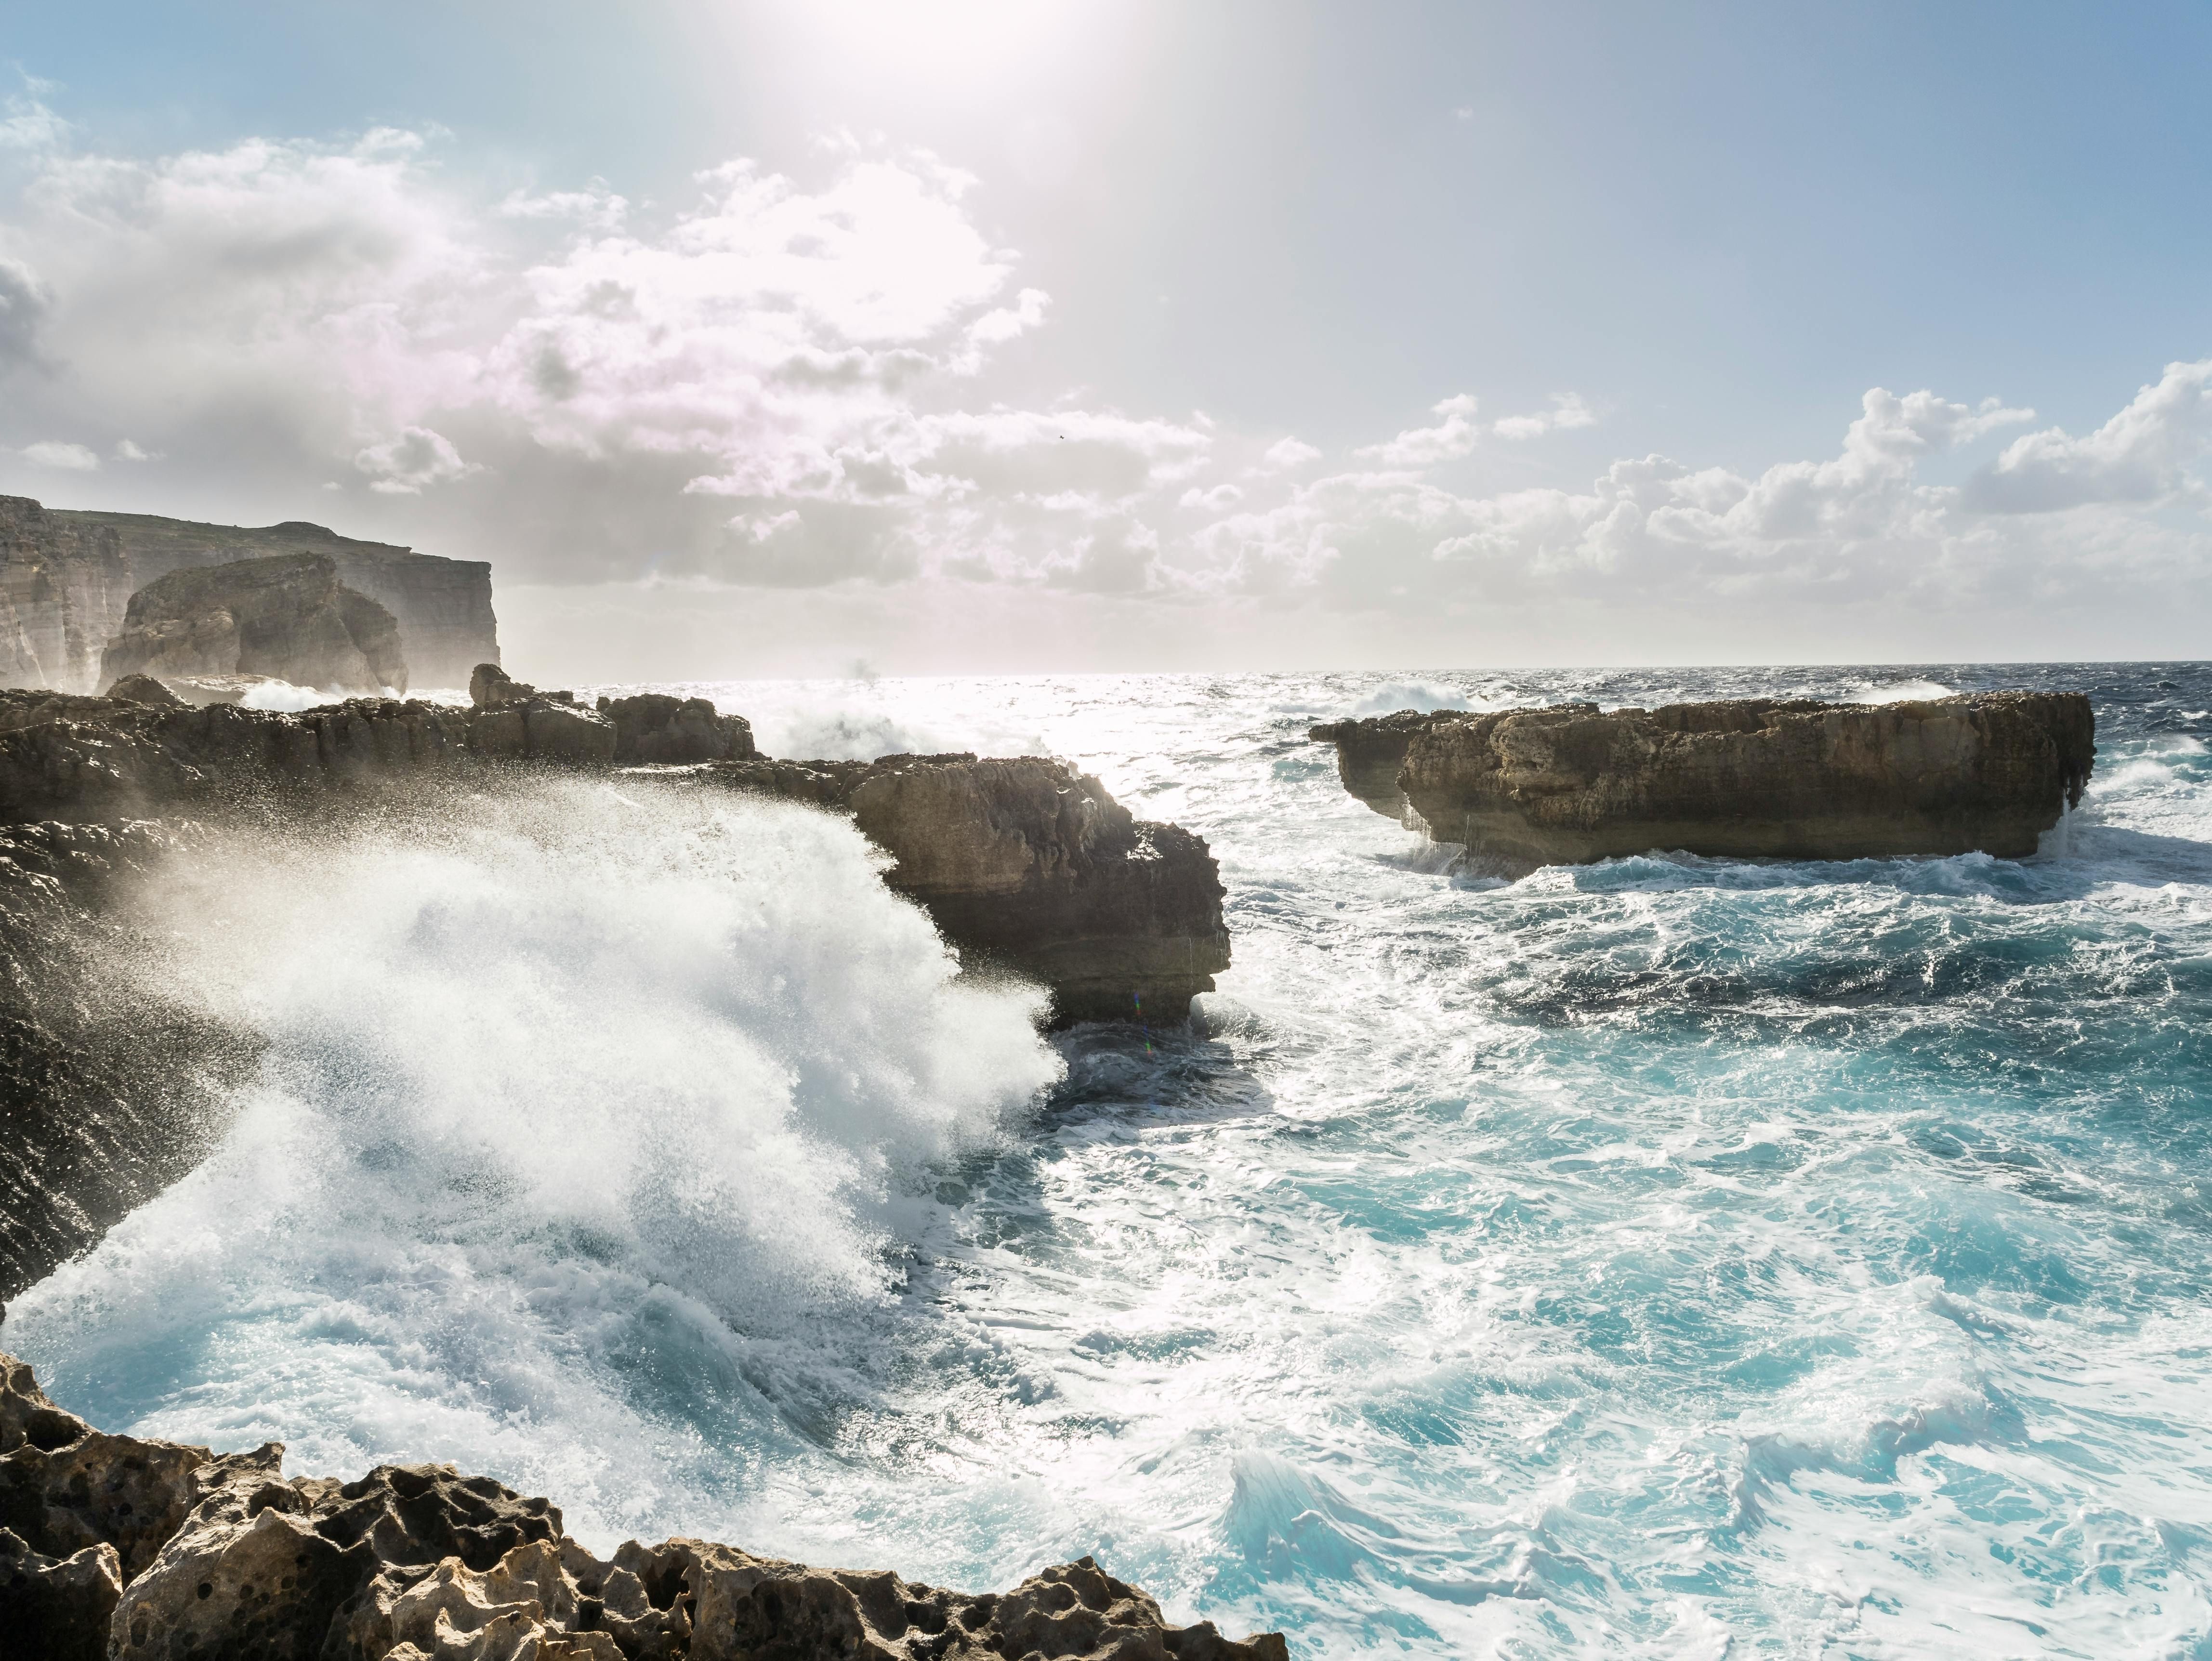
[1751, 778]
[193, 1556]
[1026, 863]
[287, 616]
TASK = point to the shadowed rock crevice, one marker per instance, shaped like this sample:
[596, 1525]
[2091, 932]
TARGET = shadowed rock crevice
[1750, 778]
[113, 1546]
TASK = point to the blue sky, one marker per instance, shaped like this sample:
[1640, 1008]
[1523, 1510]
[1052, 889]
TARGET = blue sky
[1672, 250]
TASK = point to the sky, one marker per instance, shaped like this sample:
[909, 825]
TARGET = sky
[982, 335]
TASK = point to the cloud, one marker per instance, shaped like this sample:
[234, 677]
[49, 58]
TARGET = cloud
[28, 125]
[2140, 455]
[1567, 411]
[70, 457]
[416, 459]
[22, 306]
[782, 383]
[1456, 436]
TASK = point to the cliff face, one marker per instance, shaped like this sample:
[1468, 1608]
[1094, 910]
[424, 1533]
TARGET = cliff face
[63, 589]
[1745, 779]
[66, 577]
[288, 618]
[116, 1547]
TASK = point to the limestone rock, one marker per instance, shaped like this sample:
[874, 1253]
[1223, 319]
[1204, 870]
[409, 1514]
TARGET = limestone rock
[287, 616]
[63, 586]
[144, 688]
[1027, 864]
[1369, 754]
[655, 728]
[419, 1563]
[443, 606]
[56, 1610]
[1756, 777]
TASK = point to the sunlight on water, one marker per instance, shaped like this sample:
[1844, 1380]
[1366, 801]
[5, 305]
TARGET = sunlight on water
[1667, 1257]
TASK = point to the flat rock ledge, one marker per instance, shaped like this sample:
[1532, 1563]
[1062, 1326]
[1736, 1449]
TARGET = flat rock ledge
[113, 1548]
[1748, 778]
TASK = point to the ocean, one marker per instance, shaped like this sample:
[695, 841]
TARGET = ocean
[1668, 1257]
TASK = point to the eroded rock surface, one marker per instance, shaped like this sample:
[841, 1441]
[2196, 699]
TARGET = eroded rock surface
[655, 728]
[1027, 863]
[150, 1551]
[1749, 778]
[287, 617]
[109, 1089]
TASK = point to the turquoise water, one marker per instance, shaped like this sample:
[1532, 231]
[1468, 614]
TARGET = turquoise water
[1669, 1257]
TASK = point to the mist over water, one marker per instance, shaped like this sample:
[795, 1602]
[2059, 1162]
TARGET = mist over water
[1667, 1257]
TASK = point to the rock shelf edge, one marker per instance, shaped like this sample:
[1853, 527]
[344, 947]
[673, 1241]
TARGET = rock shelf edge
[1746, 778]
[115, 1549]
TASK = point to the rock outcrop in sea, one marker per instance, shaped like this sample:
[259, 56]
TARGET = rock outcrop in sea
[66, 577]
[1749, 778]
[286, 617]
[115, 1549]
[1026, 865]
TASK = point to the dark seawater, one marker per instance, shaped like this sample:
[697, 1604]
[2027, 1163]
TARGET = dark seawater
[1668, 1257]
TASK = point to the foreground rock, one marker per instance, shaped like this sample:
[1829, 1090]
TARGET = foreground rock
[1028, 864]
[66, 576]
[114, 1546]
[109, 1091]
[1755, 777]
[287, 618]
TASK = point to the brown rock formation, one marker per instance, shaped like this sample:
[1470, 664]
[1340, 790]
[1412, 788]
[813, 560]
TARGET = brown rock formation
[66, 578]
[1758, 777]
[1023, 863]
[1028, 864]
[653, 727]
[288, 618]
[443, 606]
[113, 1546]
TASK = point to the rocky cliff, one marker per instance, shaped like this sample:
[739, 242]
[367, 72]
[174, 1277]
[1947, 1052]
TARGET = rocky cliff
[66, 576]
[62, 590]
[1756, 777]
[287, 617]
[115, 1547]
[1027, 864]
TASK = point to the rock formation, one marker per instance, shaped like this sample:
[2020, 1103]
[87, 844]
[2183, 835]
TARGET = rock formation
[63, 589]
[108, 1092]
[288, 618]
[1027, 864]
[1757, 778]
[66, 577]
[1023, 863]
[443, 606]
[115, 1547]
